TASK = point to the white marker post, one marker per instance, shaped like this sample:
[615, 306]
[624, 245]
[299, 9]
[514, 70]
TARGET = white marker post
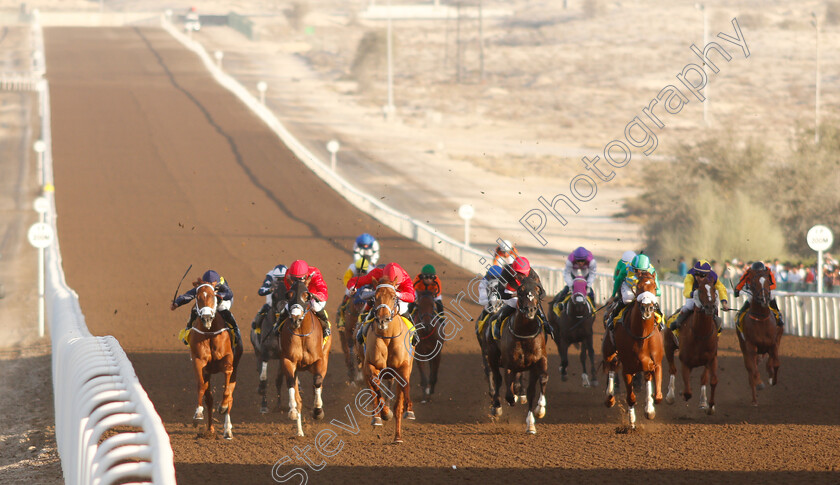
[219, 55]
[41, 236]
[39, 146]
[820, 238]
[466, 212]
[262, 87]
[332, 147]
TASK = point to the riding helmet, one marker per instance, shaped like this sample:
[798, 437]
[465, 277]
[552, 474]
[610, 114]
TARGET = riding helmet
[493, 272]
[428, 269]
[641, 262]
[365, 241]
[521, 265]
[628, 256]
[211, 276]
[758, 266]
[581, 254]
[702, 266]
[393, 273]
[298, 269]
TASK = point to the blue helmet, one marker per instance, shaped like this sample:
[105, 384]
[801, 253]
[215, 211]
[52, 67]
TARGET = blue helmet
[210, 276]
[494, 272]
[365, 241]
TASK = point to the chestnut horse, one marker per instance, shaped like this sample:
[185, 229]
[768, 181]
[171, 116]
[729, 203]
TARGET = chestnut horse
[431, 342]
[211, 352]
[758, 333]
[388, 356]
[302, 347]
[638, 348]
[522, 347]
[698, 347]
[266, 344]
[574, 326]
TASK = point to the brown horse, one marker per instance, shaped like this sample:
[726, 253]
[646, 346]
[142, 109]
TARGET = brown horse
[431, 342]
[574, 326]
[302, 347]
[211, 352]
[698, 346]
[522, 347]
[266, 344]
[388, 356]
[758, 333]
[638, 348]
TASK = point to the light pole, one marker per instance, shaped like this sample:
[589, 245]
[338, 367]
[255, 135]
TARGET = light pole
[262, 87]
[389, 108]
[39, 146]
[219, 55]
[707, 89]
[816, 23]
[332, 147]
[466, 212]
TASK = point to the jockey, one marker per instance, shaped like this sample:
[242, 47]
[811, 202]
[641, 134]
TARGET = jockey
[359, 267]
[272, 279]
[225, 295]
[366, 246]
[427, 280]
[626, 282]
[505, 253]
[626, 259]
[511, 279]
[402, 282]
[702, 268]
[488, 293]
[758, 266]
[300, 270]
[580, 263]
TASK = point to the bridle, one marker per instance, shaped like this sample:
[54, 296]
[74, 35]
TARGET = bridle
[392, 311]
[524, 311]
[206, 313]
[298, 309]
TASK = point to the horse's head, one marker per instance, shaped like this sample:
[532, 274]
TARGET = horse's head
[298, 299]
[760, 286]
[278, 294]
[579, 295]
[205, 304]
[706, 293]
[385, 303]
[528, 298]
[646, 282]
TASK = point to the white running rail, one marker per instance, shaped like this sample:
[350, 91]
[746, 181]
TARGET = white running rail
[95, 388]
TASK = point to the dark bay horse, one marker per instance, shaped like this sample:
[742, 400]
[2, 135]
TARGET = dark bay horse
[388, 356]
[430, 347]
[211, 352]
[522, 347]
[758, 333]
[354, 353]
[638, 348]
[302, 347]
[267, 343]
[698, 347]
[574, 326]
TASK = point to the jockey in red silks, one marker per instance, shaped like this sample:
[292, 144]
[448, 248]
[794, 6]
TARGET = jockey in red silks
[511, 279]
[300, 270]
[402, 282]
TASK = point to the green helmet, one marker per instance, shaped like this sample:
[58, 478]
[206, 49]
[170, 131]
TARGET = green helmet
[641, 262]
[428, 269]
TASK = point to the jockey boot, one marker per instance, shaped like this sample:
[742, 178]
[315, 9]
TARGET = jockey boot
[256, 323]
[744, 308]
[228, 317]
[322, 315]
[340, 312]
[610, 323]
[360, 335]
[718, 323]
[676, 324]
[505, 312]
[775, 306]
[184, 333]
[415, 339]
[281, 316]
[591, 295]
[547, 328]
[439, 306]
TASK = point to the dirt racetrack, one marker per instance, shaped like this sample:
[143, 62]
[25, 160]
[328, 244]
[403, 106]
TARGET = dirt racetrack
[157, 167]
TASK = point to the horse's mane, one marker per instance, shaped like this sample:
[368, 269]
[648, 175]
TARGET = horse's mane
[198, 282]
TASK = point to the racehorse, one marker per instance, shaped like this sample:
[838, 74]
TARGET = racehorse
[389, 356]
[266, 343]
[574, 326]
[522, 347]
[758, 333]
[352, 351]
[637, 346]
[211, 352]
[698, 347]
[431, 342]
[302, 347]
[490, 350]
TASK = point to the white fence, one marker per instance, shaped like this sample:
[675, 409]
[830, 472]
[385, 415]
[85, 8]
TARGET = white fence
[807, 314]
[95, 388]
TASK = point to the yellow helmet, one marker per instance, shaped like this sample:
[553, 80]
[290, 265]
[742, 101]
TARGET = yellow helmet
[362, 264]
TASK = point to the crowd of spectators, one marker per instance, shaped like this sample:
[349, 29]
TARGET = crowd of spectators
[789, 276]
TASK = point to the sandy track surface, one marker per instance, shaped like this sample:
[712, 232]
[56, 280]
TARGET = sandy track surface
[157, 167]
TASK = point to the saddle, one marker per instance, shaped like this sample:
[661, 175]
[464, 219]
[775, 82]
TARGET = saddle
[498, 326]
[558, 306]
[184, 335]
[480, 323]
[408, 324]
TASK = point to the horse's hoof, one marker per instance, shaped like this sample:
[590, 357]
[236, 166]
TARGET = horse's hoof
[755, 404]
[228, 435]
[318, 413]
[771, 382]
[704, 406]
[585, 381]
[293, 415]
[523, 399]
[531, 430]
[409, 415]
[263, 409]
[387, 414]
[222, 410]
[564, 377]
[376, 421]
[398, 441]
[670, 398]
[710, 410]
[759, 386]
[687, 396]
[610, 402]
[540, 412]
[495, 411]
[650, 415]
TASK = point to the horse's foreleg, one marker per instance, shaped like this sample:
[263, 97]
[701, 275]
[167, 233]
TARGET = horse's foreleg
[650, 411]
[495, 387]
[318, 404]
[202, 386]
[712, 367]
[543, 377]
[563, 350]
[424, 380]
[590, 348]
[509, 395]
[519, 387]
[434, 368]
[686, 377]
[631, 398]
[752, 369]
[773, 363]
[372, 374]
[399, 403]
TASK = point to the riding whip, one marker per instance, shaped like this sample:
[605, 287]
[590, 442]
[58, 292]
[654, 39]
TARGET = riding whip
[179, 283]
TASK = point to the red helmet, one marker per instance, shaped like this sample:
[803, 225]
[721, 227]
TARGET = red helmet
[393, 273]
[298, 269]
[521, 265]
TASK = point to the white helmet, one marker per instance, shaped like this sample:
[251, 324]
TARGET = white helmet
[506, 245]
[628, 256]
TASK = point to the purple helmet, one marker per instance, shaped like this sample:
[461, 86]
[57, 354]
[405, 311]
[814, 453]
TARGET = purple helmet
[581, 254]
